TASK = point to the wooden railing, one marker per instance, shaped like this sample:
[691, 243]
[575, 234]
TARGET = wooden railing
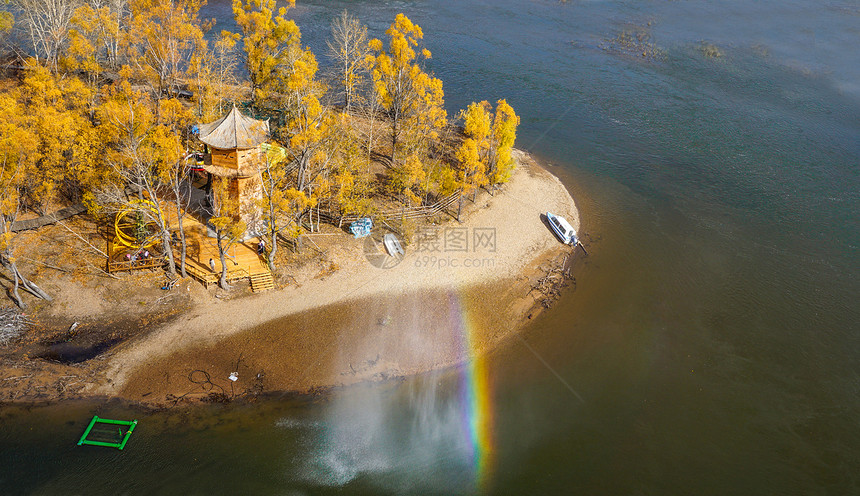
[141, 263]
[122, 260]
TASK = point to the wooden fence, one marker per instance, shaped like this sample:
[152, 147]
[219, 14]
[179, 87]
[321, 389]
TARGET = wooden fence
[419, 212]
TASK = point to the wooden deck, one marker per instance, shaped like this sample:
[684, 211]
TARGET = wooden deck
[242, 258]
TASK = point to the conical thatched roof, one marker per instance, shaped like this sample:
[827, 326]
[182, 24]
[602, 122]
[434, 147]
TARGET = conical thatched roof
[234, 130]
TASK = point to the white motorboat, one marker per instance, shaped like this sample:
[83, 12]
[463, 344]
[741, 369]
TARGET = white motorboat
[562, 229]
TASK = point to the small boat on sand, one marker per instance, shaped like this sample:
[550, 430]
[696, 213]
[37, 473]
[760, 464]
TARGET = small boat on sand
[562, 229]
[392, 245]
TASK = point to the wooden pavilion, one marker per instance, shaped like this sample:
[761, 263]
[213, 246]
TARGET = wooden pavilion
[236, 157]
[234, 161]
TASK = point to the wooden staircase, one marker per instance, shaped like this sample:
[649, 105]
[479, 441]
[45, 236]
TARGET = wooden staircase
[262, 281]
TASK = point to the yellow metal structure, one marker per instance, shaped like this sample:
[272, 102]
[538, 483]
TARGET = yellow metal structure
[136, 226]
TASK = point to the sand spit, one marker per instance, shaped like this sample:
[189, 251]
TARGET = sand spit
[359, 322]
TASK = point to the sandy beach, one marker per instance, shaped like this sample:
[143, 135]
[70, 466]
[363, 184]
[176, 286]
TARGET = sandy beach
[372, 317]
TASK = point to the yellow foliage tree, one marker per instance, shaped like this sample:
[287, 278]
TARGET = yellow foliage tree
[270, 42]
[88, 167]
[406, 177]
[472, 170]
[7, 20]
[476, 125]
[58, 108]
[46, 24]
[501, 162]
[172, 168]
[143, 155]
[282, 75]
[473, 154]
[215, 84]
[227, 225]
[311, 140]
[96, 38]
[166, 41]
[278, 204]
[413, 99]
[298, 203]
[18, 143]
[310, 125]
[351, 188]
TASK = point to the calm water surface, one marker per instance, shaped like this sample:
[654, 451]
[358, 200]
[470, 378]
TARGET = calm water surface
[711, 345]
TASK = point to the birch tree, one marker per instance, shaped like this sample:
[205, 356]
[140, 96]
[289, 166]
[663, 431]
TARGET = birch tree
[282, 205]
[140, 151]
[215, 84]
[56, 107]
[504, 133]
[348, 49]
[312, 142]
[46, 25]
[351, 185]
[274, 202]
[484, 157]
[473, 153]
[173, 169]
[369, 126]
[7, 21]
[97, 37]
[268, 38]
[225, 222]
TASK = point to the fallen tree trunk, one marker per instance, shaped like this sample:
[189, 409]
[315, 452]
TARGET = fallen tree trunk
[25, 283]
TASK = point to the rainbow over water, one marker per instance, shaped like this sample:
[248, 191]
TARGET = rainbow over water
[476, 391]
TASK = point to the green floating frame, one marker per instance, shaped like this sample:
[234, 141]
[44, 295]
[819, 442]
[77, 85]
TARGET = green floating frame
[118, 445]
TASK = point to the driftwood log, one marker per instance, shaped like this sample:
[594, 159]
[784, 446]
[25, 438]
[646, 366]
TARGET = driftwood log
[21, 281]
[556, 276]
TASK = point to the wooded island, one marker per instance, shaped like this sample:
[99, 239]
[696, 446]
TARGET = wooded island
[108, 104]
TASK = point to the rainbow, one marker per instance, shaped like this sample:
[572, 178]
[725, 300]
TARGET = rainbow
[476, 391]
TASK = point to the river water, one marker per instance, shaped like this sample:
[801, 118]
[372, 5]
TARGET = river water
[711, 344]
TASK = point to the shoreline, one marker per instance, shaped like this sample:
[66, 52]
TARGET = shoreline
[346, 320]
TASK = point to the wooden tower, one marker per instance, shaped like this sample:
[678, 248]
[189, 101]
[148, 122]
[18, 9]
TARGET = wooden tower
[235, 157]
